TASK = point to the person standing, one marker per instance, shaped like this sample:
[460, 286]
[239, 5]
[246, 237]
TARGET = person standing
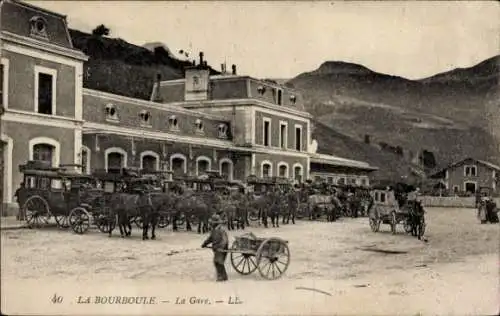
[20, 215]
[220, 244]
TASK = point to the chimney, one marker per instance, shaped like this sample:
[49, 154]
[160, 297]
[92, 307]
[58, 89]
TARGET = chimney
[194, 62]
[157, 97]
[234, 69]
[201, 59]
[205, 63]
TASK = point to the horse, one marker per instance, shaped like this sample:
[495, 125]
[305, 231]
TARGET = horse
[319, 203]
[293, 204]
[128, 205]
[194, 207]
[274, 205]
[416, 218]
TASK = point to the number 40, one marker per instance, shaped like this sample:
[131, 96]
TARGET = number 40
[56, 299]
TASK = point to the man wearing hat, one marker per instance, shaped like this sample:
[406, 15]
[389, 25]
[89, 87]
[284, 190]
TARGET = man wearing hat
[220, 243]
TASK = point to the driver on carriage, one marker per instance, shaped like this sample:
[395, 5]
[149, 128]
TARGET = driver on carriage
[413, 197]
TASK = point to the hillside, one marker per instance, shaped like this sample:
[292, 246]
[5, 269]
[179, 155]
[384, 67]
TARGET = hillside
[119, 67]
[453, 114]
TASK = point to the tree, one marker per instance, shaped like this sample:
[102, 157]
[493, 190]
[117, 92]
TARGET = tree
[101, 30]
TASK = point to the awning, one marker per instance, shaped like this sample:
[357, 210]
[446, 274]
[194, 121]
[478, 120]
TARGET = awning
[342, 162]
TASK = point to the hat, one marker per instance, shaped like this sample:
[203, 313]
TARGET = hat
[216, 219]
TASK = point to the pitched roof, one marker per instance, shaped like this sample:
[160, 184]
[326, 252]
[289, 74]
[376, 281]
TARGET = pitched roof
[457, 163]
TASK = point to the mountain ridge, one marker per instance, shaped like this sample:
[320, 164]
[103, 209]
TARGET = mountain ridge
[449, 112]
[119, 67]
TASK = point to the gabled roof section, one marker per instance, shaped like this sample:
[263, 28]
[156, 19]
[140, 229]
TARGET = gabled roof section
[25, 20]
[440, 173]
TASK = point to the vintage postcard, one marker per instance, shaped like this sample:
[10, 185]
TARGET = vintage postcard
[249, 158]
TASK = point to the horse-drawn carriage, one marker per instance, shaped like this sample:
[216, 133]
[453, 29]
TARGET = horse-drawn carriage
[268, 198]
[391, 211]
[133, 181]
[71, 198]
[270, 255]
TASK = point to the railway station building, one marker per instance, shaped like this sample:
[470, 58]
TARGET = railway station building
[237, 125]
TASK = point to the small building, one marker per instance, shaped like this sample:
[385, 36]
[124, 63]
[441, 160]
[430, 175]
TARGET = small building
[467, 176]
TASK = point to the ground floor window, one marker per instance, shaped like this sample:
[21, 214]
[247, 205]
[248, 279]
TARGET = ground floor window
[85, 160]
[149, 163]
[226, 170]
[177, 166]
[266, 170]
[297, 173]
[203, 166]
[115, 161]
[283, 171]
[43, 152]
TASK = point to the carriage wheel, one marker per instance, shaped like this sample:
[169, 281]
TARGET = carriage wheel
[374, 221]
[301, 212]
[79, 219]
[407, 226]
[163, 219]
[106, 222]
[243, 263]
[394, 222]
[193, 220]
[37, 211]
[273, 258]
[62, 221]
[253, 215]
[138, 222]
[181, 220]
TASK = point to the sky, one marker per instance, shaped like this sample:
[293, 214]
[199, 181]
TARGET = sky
[413, 39]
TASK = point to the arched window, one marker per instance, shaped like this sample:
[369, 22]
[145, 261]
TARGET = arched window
[203, 164]
[43, 152]
[283, 170]
[85, 160]
[266, 169]
[178, 164]
[150, 160]
[44, 149]
[226, 168]
[115, 158]
[298, 172]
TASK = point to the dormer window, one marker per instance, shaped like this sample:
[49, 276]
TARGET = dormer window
[199, 126]
[111, 112]
[145, 117]
[222, 130]
[280, 97]
[38, 27]
[173, 123]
